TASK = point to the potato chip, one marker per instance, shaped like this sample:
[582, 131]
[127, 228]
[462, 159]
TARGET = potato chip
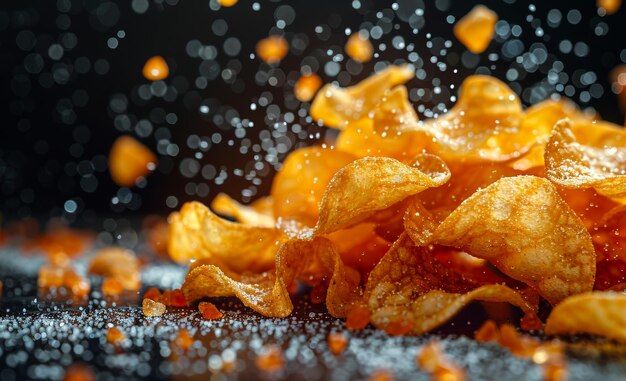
[337, 107]
[588, 155]
[156, 69]
[348, 199]
[482, 126]
[224, 204]
[359, 48]
[360, 247]
[609, 235]
[299, 185]
[268, 293]
[195, 233]
[119, 264]
[536, 127]
[523, 227]
[476, 28]
[609, 6]
[306, 86]
[130, 160]
[595, 313]
[272, 49]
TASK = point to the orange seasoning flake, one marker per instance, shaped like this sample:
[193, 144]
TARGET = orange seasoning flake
[129, 160]
[209, 311]
[358, 318]
[272, 49]
[152, 308]
[112, 287]
[337, 342]
[152, 294]
[359, 48]
[306, 87]
[476, 28]
[270, 359]
[156, 69]
[433, 361]
[115, 336]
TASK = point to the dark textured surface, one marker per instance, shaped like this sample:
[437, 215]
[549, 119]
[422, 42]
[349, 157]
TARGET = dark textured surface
[39, 340]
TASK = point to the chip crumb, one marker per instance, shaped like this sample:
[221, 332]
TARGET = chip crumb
[209, 311]
[115, 336]
[270, 359]
[152, 308]
[337, 342]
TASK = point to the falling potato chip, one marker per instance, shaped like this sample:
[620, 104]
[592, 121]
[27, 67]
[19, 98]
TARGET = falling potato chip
[337, 107]
[299, 185]
[523, 227]
[609, 6]
[156, 69]
[349, 199]
[359, 48]
[596, 313]
[224, 204]
[119, 264]
[588, 155]
[227, 3]
[195, 233]
[482, 125]
[130, 160]
[268, 293]
[272, 49]
[476, 28]
[306, 86]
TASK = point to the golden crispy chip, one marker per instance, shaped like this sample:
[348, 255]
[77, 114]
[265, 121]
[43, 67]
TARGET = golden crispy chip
[268, 293]
[372, 184]
[224, 204]
[337, 107]
[119, 264]
[523, 227]
[596, 313]
[299, 186]
[476, 28]
[482, 125]
[195, 233]
[588, 155]
[536, 127]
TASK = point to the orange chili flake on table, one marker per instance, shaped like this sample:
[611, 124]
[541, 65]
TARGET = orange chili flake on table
[177, 299]
[152, 308]
[130, 160]
[399, 328]
[487, 332]
[166, 298]
[433, 361]
[337, 342]
[358, 318]
[359, 48]
[152, 294]
[111, 287]
[270, 359]
[272, 49]
[306, 87]
[209, 311]
[156, 69]
[184, 340]
[115, 336]
[79, 372]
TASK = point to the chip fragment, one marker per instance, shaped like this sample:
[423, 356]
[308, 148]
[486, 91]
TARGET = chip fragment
[130, 160]
[359, 48]
[151, 308]
[597, 313]
[476, 28]
[306, 86]
[224, 204]
[588, 155]
[272, 49]
[156, 69]
[119, 264]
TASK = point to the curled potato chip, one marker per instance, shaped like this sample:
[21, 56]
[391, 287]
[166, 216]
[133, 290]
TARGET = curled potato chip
[588, 155]
[337, 107]
[119, 264]
[349, 198]
[523, 227]
[476, 28]
[596, 313]
[268, 293]
[224, 204]
[481, 125]
[195, 233]
[299, 185]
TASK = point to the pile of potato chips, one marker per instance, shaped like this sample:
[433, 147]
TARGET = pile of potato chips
[404, 222]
